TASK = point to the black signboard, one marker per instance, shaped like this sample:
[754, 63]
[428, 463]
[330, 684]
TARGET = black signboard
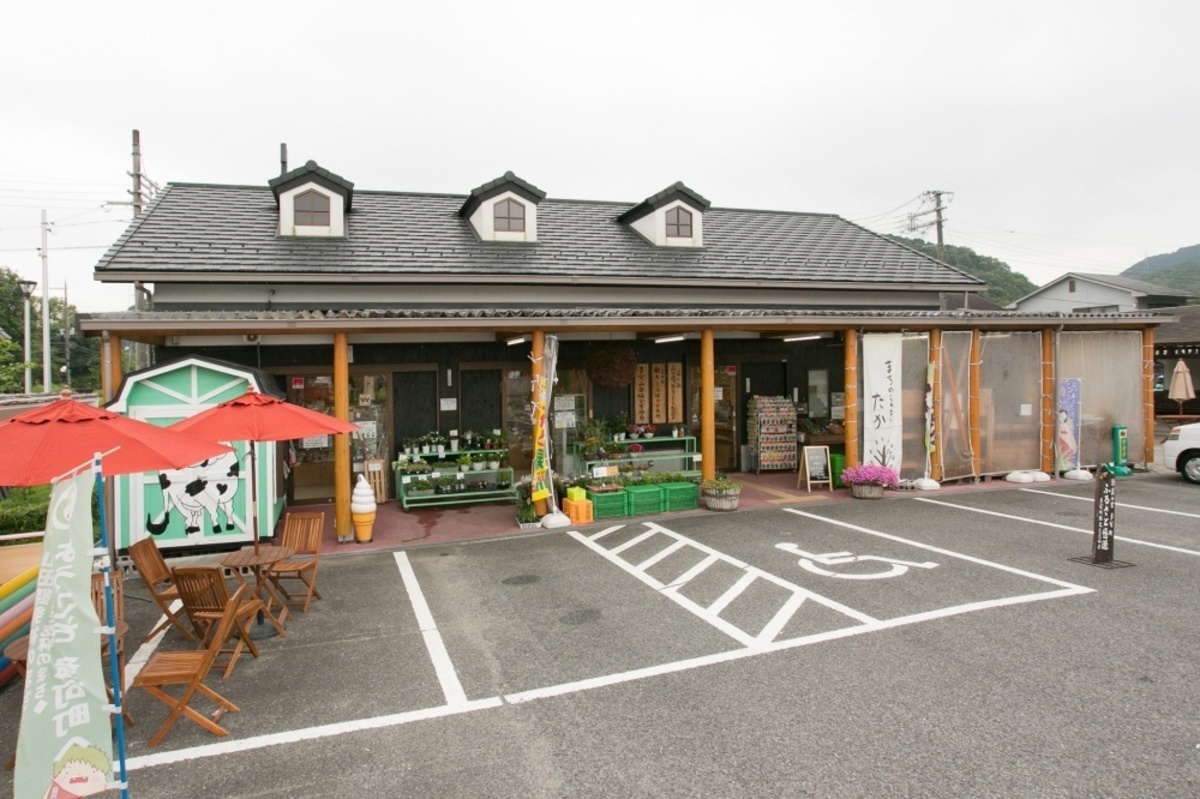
[814, 468]
[1104, 523]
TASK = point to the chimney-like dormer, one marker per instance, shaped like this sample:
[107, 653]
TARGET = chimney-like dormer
[312, 201]
[672, 218]
[504, 209]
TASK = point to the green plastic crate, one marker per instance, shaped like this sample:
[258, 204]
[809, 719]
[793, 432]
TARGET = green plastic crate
[644, 499]
[680, 496]
[837, 462]
[609, 505]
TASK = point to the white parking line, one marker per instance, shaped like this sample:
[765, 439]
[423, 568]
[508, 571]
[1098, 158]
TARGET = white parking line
[1127, 540]
[446, 674]
[1119, 504]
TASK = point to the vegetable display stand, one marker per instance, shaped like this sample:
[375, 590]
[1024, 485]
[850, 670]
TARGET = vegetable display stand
[487, 485]
[657, 448]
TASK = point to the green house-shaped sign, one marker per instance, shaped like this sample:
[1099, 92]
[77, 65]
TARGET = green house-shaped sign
[207, 503]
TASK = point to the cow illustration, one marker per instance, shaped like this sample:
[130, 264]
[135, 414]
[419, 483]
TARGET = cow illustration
[205, 489]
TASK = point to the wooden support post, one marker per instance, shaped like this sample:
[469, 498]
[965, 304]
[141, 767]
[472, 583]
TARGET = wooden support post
[537, 372]
[1048, 399]
[974, 399]
[850, 370]
[708, 408]
[935, 357]
[341, 442]
[1148, 391]
[110, 370]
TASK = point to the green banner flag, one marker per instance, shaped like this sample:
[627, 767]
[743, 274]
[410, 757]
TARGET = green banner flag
[64, 748]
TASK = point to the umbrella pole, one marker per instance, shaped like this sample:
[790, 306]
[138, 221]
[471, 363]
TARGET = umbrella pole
[254, 493]
[110, 625]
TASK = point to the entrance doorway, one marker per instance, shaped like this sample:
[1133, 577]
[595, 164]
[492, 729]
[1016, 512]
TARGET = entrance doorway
[763, 379]
[414, 403]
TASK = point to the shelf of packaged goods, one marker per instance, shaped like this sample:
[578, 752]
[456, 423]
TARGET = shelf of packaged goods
[688, 455]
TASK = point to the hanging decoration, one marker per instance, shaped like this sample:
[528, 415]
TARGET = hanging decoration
[611, 365]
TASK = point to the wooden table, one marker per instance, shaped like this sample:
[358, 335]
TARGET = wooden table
[259, 562]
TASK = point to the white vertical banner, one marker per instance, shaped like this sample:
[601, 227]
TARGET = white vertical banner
[64, 747]
[883, 423]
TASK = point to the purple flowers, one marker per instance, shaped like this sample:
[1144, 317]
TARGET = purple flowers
[870, 473]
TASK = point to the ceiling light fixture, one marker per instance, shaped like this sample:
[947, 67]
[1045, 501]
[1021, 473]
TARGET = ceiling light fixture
[515, 340]
[808, 337]
[668, 339]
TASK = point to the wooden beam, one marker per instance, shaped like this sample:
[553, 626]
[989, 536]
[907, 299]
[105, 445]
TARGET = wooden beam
[850, 371]
[1049, 428]
[341, 442]
[708, 418]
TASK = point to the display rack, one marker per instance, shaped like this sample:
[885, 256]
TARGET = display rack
[771, 433]
[658, 448]
[474, 480]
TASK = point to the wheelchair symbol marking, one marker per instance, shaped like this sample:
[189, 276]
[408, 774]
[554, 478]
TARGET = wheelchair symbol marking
[809, 561]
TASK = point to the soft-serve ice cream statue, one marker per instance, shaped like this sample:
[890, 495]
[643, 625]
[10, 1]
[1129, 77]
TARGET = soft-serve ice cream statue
[362, 510]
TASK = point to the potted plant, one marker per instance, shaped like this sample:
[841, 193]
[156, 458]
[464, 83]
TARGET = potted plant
[478, 461]
[720, 493]
[464, 462]
[868, 480]
[420, 488]
[444, 484]
[648, 430]
[493, 461]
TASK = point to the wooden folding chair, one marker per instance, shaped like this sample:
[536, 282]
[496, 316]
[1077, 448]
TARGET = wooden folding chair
[205, 598]
[189, 669]
[154, 572]
[301, 532]
[117, 581]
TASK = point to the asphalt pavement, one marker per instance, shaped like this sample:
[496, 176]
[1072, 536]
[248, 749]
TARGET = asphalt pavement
[928, 646]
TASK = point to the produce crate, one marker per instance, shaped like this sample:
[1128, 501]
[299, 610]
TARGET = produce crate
[578, 510]
[644, 499]
[609, 505]
[680, 496]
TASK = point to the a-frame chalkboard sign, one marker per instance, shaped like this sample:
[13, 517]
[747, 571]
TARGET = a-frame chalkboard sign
[814, 468]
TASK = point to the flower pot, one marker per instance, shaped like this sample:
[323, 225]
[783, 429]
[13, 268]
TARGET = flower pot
[721, 500]
[493, 464]
[866, 490]
[477, 466]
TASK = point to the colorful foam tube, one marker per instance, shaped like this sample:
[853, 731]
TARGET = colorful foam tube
[16, 610]
[18, 621]
[27, 576]
[18, 595]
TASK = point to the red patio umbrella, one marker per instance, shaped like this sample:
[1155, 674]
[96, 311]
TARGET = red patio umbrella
[258, 418]
[54, 441]
[45, 443]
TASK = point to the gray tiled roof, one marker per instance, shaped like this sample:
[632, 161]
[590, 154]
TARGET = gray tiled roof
[233, 229]
[1185, 331]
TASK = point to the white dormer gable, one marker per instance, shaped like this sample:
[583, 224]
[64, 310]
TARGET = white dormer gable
[313, 202]
[311, 210]
[505, 217]
[674, 225]
[504, 209]
[672, 218]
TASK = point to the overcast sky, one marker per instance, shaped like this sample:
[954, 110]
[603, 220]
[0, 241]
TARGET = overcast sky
[1068, 132]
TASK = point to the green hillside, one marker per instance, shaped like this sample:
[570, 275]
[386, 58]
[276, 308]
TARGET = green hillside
[1177, 270]
[1004, 285]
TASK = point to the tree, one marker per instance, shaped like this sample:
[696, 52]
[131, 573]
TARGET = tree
[1004, 285]
[84, 371]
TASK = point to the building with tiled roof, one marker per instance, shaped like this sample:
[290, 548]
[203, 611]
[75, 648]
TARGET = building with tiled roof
[418, 312]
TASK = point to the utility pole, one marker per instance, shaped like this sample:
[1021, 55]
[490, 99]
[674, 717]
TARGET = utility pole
[67, 331]
[915, 224]
[47, 385]
[141, 352]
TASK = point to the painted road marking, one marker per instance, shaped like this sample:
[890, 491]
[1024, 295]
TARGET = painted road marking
[233, 747]
[711, 613]
[809, 561]
[1168, 547]
[1119, 504]
[444, 668]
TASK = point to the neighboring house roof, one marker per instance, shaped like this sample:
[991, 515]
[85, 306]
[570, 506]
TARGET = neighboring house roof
[956, 301]
[199, 229]
[1185, 331]
[1136, 288]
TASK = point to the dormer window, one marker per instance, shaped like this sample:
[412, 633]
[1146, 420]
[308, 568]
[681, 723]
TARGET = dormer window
[679, 223]
[312, 209]
[504, 209]
[672, 218]
[313, 202]
[509, 216]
